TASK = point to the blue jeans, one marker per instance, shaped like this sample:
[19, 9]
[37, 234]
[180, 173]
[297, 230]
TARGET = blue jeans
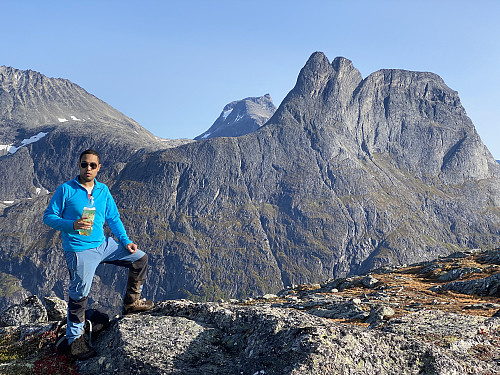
[82, 266]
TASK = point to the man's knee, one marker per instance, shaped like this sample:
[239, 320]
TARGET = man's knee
[76, 309]
[141, 263]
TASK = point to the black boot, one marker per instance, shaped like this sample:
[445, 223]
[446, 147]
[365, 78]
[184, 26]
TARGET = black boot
[136, 275]
[81, 350]
[139, 305]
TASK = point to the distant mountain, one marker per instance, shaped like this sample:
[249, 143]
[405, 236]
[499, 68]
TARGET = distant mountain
[241, 117]
[349, 174]
[46, 122]
[29, 100]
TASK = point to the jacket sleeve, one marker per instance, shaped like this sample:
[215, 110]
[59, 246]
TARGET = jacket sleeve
[52, 215]
[114, 221]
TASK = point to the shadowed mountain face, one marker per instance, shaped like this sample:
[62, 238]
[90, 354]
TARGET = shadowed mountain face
[347, 175]
[241, 117]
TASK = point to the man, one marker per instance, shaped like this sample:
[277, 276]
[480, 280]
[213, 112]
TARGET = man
[84, 253]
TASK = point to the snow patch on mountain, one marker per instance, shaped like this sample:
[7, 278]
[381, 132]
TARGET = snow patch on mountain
[11, 149]
[226, 113]
[238, 118]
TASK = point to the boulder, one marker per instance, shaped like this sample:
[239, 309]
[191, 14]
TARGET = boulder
[457, 273]
[56, 308]
[488, 286]
[30, 311]
[378, 314]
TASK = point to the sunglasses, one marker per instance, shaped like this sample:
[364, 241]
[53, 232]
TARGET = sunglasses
[84, 165]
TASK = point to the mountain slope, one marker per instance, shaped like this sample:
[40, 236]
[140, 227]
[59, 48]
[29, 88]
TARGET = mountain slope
[29, 100]
[47, 122]
[348, 174]
[241, 117]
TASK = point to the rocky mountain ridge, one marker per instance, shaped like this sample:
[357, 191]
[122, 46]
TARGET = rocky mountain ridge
[241, 117]
[46, 122]
[348, 175]
[29, 100]
[415, 319]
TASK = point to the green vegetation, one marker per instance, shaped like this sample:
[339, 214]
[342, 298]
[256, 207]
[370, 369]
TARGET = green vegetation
[8, 350]
[9, 285]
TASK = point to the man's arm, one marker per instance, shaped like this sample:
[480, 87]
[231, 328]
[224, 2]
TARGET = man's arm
[52, 215]
[115, 223]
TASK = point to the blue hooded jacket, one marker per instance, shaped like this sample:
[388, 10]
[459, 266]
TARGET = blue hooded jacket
[66, 206]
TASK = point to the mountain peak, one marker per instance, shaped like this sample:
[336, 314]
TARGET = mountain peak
[318, 72]
[241, 117]
[31, 100]
[322, 86]
[340, 63]
[317, 62]
[42, 117]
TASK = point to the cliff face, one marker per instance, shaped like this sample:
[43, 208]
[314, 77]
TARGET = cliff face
[349, 174]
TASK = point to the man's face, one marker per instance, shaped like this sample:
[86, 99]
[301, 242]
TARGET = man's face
[89, 166]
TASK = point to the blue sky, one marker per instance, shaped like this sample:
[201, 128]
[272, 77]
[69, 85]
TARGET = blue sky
[173, 65]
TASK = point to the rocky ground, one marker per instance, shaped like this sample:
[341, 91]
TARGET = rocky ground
[439, 317]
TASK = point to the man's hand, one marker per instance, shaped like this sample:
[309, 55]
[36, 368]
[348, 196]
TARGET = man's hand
[81, 224]
[131, 247]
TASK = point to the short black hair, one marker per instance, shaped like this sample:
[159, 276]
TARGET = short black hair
[91, 152]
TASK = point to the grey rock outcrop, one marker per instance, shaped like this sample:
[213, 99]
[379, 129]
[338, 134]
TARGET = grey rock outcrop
[340, 310]
[283, 334]
[378, 314]
[56, 308]
[226, 339]
[241, 117]
[484, 286]
[29, 312]
[457, 273]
